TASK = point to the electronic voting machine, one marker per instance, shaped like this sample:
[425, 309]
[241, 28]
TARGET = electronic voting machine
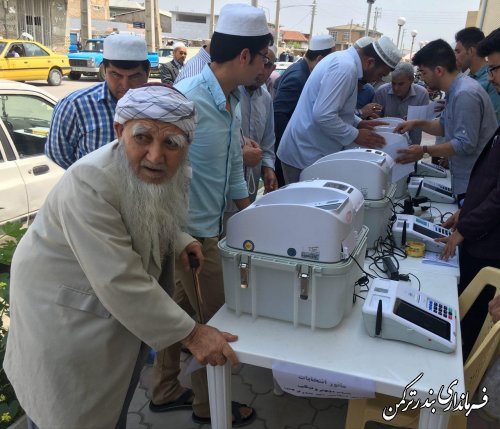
[368, 170]
[412, 228]
[396, 311]
[423, 168]
[317, 220]
[422, 187]
[294, 254]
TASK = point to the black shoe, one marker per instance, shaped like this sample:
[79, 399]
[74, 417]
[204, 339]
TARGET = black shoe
[183, 402]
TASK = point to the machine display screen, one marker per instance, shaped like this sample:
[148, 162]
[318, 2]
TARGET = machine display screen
[336, 186]
[422, 318]
[438, 189]
[330, 207]
[436, 167]
[426, 231]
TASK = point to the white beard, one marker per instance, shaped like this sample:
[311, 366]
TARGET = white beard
[151, 210]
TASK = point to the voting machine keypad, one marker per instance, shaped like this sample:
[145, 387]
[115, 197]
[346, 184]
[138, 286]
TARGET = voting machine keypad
[440, 309]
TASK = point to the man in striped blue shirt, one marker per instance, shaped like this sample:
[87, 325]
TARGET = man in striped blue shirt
[195, 65]
[83, 121]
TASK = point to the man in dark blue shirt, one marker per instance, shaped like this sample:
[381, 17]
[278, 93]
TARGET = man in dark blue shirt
[289, 87]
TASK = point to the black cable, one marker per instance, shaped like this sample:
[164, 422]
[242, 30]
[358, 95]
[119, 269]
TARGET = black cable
[413, 275]
[360, 267]
[431, 207]
[443, 220]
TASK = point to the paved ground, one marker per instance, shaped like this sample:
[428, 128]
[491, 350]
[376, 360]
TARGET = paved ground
[254, 386]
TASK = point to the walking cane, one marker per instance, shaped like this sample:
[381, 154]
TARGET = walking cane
[194, 263]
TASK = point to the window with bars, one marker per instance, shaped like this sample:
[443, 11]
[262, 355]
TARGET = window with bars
[33, 20]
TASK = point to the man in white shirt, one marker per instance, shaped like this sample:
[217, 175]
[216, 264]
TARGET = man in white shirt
[324, 120]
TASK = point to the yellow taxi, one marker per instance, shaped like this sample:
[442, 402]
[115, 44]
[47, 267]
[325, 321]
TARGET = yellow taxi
[27, 60]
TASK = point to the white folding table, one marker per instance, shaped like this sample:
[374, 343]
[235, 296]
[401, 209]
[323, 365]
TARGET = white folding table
[345, 349]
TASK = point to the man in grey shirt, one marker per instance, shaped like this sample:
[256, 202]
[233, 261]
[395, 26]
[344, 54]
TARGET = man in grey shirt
[467, 122]
[395, 97]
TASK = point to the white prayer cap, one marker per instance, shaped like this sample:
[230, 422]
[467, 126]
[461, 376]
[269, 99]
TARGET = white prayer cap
[320, 43]
[387, 51]
[178, 45]
[158, 102]
[363, 41]
[125, 47]
[237, 19]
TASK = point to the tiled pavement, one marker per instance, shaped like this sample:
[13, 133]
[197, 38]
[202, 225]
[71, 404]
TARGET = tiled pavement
[254, 386]
[251, 385]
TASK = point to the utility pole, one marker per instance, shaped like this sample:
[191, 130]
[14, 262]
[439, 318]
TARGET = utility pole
[150, 24]
[277, 24]
[158, 30]
[378, 14]
[212, 19]
[350, 34]
[86, 21]
[312, 19]
[367, 29]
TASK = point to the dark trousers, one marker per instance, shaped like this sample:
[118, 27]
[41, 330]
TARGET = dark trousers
[471, 324]
[280, 123]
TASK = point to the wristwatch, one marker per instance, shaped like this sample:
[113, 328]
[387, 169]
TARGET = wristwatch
[425, 149]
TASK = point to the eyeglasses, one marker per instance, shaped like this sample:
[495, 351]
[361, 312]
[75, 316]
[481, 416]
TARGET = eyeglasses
[265, 59]
[490, 69]
[269, 65]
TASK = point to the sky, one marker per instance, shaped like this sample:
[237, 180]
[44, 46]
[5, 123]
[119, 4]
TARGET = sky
[432, 19]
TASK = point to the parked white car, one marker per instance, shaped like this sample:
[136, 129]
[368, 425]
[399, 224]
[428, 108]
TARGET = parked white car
[26, 174]
[281, 66]
[165, 55]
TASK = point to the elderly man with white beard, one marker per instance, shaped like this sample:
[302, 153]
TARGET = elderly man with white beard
[85, 301]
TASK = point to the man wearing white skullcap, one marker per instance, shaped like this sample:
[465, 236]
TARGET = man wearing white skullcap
[169, 71]
[290, 85]
[324, 121]
[238, 50]
[89, 307]
[364, 41]
[365, 109]
[83, 120]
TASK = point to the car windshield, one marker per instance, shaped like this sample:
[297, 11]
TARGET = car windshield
[94, 46]
[2, 46]
[27, 118]
[164, 52]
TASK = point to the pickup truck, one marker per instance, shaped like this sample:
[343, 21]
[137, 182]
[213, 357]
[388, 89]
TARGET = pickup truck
[89, 60]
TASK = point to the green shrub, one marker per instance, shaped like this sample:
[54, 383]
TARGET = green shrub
[10, 234]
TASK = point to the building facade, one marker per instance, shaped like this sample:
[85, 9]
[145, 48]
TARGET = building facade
[99, 9]
[490, 16]
[190, 25]
[345, 35]
[294, 39]
[137, 19]
[45, 20]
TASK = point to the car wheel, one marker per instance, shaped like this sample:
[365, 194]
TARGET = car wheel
[74, 75]
[55, 77]
[101, 76]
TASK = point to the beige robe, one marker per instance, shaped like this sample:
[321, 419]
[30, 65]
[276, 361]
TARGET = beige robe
[82, 300]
